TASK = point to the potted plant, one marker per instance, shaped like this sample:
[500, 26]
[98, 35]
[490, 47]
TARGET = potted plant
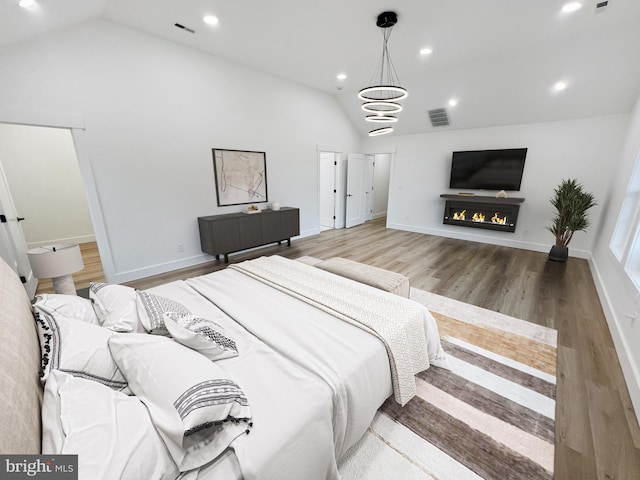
[571, 203]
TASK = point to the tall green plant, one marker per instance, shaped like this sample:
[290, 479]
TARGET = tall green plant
[571, 203]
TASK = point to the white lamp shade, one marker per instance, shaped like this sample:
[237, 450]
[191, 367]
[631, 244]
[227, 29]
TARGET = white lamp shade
[55, 260]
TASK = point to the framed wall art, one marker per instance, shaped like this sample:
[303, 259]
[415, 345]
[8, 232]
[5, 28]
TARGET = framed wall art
[241, 176]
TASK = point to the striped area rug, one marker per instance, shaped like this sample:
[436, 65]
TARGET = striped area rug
[490, 417]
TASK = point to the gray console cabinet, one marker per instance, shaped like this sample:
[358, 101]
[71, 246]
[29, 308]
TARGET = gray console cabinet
[232, 232]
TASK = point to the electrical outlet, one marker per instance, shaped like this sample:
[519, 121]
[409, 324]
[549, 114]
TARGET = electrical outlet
[181, 247]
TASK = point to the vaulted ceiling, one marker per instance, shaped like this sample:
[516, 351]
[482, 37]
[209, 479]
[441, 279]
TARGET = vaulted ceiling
[499, 58]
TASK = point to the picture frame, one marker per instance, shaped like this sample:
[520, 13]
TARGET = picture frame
[240, 176]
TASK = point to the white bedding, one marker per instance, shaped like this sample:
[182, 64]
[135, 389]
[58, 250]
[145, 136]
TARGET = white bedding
[400, 324]
[350, 362]
[314, 382]
[292, 437]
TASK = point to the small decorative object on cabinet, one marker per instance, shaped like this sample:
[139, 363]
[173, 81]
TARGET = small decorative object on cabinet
[275, 206]
[232, 232]
[252, 209]
[571, 203]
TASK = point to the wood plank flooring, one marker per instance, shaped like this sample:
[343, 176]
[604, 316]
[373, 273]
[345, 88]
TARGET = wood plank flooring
[597, 436]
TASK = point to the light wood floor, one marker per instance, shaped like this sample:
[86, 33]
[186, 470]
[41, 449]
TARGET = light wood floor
[597, 436]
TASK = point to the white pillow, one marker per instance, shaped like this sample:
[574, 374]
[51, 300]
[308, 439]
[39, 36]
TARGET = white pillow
[69, 306]
[111, 433]
[78, 348]
[151, 310]
[196, 406]
[203, 335]
[115, 306]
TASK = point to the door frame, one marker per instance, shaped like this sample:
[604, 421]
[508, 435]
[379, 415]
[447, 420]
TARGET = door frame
[340, 183]
[322, 187]
[79, 135]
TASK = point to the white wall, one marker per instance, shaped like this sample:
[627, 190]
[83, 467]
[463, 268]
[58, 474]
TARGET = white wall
[620, 299]
[584, 149]
[42, 171]
[153, 111]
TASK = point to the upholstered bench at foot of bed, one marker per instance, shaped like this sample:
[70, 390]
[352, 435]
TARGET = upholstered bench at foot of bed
[376, 277]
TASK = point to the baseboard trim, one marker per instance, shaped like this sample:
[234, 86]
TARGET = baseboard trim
[623, 350]
[536, 247]
[136, 274]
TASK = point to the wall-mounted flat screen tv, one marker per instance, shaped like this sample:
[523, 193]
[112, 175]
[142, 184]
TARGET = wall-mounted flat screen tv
[488, 169]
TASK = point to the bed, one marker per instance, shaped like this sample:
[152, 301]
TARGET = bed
[274, 367]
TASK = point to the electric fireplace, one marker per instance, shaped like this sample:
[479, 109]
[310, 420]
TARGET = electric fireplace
[474, 211]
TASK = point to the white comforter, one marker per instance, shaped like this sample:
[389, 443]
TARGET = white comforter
[292, 436]
[351, 363]
[314, 382]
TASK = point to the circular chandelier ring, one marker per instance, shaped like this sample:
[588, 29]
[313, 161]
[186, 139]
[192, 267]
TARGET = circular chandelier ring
[365, 93]
[381, 107]
[381, 118]
[380, 131]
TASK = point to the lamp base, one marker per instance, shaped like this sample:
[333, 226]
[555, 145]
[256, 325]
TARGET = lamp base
[64, 285]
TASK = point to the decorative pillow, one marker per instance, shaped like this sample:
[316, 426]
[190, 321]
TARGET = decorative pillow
[202, 335]
[151, 310]
[78, 348]
[111, 433]
[198, 409]
[69, 306]
[115, 306]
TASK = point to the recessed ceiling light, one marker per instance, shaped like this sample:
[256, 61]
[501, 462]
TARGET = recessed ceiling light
[559, 86]
[210, 20]
[571, 7]
[426, 51]
[453, 102]
[341, 76]
[27, 3]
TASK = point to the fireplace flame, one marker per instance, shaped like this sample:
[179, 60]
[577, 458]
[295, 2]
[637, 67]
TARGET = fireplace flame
[459, 215]
[497, 219]
[480, 217]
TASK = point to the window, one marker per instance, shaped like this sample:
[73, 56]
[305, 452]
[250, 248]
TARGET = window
[625, 241]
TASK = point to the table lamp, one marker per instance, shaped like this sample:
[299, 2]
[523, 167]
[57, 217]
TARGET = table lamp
[57, 262]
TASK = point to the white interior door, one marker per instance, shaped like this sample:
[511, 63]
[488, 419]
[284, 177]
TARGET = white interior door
[355, 190]
[13, 246]
[369, 165]
[328, 167]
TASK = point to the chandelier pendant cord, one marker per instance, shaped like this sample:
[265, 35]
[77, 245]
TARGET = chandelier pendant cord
[382, 96]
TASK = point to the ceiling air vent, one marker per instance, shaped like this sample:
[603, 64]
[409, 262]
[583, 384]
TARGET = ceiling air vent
[601, 6]
[439, 117]
[186, 29]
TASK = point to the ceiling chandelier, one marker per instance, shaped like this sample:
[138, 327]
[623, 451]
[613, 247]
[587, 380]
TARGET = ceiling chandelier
[382, 97]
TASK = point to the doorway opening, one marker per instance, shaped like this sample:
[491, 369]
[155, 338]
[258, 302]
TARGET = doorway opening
[367, 187]
[45, 187]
